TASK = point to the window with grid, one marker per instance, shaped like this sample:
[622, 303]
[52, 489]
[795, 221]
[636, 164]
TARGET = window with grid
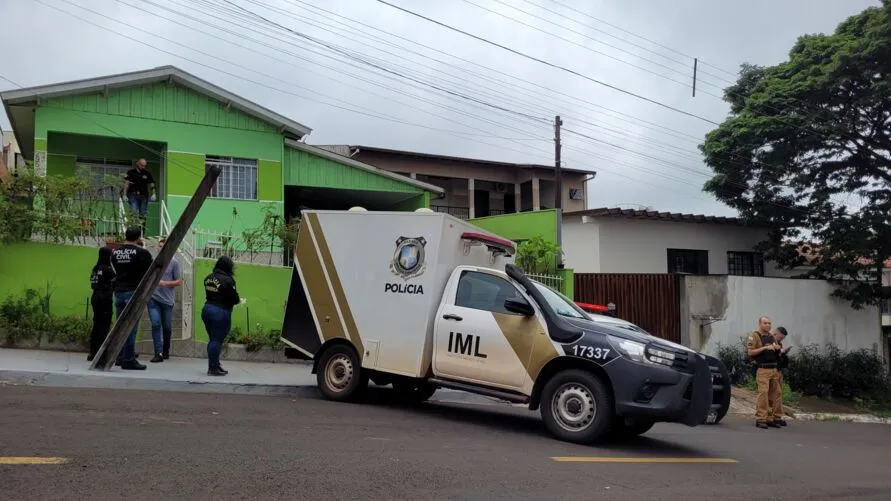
[238, 177]
[750, 264]
[692, 261]
[106, 175]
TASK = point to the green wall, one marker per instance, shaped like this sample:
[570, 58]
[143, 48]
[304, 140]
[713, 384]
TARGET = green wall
[264, 287]
[305, 169]
[522, 225]
[66, 268]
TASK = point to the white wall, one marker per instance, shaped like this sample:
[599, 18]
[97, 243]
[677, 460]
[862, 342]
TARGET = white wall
[640, 246]
[580, 246]
[804, 307]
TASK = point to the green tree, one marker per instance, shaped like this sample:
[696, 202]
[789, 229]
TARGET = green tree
[806, 150]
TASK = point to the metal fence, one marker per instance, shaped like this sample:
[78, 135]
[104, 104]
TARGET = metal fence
[553, 281]
[213, 244]
[652, 301]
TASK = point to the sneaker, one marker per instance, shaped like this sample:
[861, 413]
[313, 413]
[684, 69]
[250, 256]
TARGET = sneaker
[132, 366]
[761, 424]
[773, 424]
[166, 356]
[781, 422]
[216, 371]
[157, 358]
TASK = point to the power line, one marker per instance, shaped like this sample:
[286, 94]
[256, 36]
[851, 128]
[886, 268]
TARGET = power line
[640, 37]
[684, 84]
[547, 63]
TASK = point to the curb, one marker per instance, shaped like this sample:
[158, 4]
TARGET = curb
[847, 418]
[62, 380]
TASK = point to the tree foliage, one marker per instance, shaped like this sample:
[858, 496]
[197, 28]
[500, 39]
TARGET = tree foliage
[806, 151]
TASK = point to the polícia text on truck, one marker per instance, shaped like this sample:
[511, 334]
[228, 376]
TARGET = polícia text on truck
[423, 300]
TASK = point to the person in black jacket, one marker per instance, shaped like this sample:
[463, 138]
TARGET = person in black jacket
[131, 262]
[102, 282]
[222, 296]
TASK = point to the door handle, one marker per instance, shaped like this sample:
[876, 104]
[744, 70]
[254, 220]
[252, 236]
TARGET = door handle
[451, 316]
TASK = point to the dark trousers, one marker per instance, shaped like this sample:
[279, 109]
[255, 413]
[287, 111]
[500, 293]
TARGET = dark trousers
[103, 306]
[128, 352]
[217, 322]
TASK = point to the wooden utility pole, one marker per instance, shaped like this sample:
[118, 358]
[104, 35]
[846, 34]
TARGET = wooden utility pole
[111, 347]
[558, 169]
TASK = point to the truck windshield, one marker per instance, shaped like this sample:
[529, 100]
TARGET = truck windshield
[559, 302]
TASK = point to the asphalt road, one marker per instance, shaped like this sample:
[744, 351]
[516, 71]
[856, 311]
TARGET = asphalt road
[131, 444]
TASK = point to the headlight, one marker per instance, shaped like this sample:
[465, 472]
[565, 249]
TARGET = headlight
[629, 349]
[658, 356]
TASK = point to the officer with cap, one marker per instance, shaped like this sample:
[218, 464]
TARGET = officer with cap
[762, 347]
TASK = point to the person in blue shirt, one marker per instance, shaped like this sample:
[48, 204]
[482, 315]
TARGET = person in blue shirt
[160, 307]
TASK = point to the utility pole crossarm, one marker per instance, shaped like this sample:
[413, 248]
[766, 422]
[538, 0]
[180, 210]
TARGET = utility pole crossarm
[111, 347]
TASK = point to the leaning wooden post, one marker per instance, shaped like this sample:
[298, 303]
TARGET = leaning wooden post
[111, 347]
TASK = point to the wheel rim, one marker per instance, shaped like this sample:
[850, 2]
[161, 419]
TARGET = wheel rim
[339, 372]
[574, 407]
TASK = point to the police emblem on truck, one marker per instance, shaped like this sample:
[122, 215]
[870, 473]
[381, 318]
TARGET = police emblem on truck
[408, 260]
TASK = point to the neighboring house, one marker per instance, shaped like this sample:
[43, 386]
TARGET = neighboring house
[182, 124]
[608, 240]
[476, 188]
[10, 155]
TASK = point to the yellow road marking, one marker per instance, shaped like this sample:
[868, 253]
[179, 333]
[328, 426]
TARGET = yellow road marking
[582, 459]
[31, 460]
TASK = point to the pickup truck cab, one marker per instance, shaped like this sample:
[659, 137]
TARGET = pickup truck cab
[473, 321]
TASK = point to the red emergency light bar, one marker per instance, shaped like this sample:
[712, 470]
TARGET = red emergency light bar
[592, 307]
[500, 244]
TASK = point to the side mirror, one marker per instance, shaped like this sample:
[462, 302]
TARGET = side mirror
[518, 305]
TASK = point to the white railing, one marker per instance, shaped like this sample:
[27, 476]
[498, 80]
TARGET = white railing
[553, 281]
[122, 216]
[166, 225]
[213, 244]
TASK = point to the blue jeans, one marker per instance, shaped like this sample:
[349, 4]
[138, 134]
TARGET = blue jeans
[217, 321]
[138, 203]
[161, 316]
[128, 353]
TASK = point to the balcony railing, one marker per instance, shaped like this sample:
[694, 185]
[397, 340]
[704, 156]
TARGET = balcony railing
[464, 212]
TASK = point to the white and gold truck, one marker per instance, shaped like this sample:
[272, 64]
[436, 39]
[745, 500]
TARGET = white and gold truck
[423, 300]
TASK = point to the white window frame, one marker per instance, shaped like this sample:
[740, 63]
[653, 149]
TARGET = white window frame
[104, 167]
[238, 177]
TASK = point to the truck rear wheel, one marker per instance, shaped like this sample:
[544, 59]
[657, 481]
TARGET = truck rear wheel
[576, 407]
[340, 375]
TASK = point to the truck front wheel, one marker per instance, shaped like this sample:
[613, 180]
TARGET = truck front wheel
[576, 407]
[340, 375]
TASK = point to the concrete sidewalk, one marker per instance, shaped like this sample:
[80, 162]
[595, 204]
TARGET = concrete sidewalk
[57, 368]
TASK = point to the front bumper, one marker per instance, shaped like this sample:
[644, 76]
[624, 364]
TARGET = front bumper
[662, 393]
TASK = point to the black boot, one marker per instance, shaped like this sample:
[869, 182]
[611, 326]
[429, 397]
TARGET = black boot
[216, 371]
[132, 366]
[158, 358]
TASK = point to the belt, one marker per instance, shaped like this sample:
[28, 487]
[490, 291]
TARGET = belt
[767, 366]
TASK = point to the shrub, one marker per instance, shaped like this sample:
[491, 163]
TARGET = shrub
[256, 339]
[828, 372]
[28, 317]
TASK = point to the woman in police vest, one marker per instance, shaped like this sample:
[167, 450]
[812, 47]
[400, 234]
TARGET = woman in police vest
[222, 296]
[102, 282]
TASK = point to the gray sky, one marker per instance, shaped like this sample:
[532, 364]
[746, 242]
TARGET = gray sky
[335, 93]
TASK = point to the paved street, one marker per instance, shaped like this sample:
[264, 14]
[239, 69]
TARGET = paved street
[130, 444]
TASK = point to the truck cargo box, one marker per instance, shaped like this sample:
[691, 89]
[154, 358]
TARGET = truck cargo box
[377, 278]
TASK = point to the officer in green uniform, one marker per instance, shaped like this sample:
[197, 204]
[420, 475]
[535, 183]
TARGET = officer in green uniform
[762, 347]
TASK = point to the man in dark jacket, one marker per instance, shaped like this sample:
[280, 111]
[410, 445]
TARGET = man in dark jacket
[131, 262]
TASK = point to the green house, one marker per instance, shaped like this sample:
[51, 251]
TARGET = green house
[180, 124]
